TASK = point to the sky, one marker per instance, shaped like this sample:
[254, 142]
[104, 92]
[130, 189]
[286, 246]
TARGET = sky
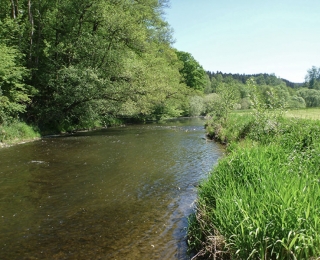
[249, 36]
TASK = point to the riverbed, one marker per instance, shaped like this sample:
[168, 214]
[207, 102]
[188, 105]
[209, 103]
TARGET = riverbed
[116, 193]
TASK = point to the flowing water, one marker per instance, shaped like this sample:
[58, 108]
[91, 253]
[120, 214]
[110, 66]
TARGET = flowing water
[117, 193]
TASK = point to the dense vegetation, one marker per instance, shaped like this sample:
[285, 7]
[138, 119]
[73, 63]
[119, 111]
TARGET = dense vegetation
[227, 92]
[293, 95]
[262, 200]
[261, 78]
[77, 64]
[68, 65]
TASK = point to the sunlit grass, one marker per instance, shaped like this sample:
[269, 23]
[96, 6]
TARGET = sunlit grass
[310, 113]
[307, 113]
[262, 201]
[17, 132]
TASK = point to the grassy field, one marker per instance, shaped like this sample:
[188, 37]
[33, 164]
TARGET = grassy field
[310, 113]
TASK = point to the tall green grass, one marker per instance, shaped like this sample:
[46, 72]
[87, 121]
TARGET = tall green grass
[16, 132]
[241, 125]
[262, 201]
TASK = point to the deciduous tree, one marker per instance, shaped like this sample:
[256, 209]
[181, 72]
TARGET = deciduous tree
[313, 78]
[193, 75]
[14, 93]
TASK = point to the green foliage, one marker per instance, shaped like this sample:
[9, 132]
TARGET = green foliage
[245, 103]
[263, 198]
[266, 84]
[16, 132]
[296, 102]
[261, 79]
[229, 95]
[313, 78]
[193, 75]
[267, 110]
[242, 124]
[14, 93]
[311, 97]
[88, 60]
[210, 102]
[196, 106]
[219, 106]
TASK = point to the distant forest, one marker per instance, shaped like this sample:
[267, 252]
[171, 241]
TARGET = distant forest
[261, 78]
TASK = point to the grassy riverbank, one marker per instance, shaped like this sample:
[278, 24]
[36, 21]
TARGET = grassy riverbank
[262, 201]
[20, 132]
[17, 132]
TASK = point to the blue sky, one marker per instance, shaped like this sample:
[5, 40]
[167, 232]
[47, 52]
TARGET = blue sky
[249, 36]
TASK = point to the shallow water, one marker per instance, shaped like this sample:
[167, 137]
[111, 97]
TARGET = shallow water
[117, 193]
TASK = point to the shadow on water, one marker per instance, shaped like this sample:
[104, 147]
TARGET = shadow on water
[118, 193]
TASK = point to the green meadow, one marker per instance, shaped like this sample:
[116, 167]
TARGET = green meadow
[309, 113]
[262, 200]
[306, 113]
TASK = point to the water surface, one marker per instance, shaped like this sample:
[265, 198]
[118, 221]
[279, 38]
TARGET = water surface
[117, 193]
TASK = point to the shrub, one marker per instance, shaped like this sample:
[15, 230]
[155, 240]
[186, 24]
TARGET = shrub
[196, 106]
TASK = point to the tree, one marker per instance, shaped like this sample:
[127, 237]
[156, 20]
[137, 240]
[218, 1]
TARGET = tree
[92, 60]
[193, 75]
[274, 97]
[14, 93]
[196, 106]
[296, 102]
[313, 78]
[260, 80]
[215, 81]
[228, 96]
[311, 97]
[208, 86]
[210, 101]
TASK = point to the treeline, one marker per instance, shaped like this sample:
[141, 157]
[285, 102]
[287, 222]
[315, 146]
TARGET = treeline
[261, 78]
[76, 64]
[232, 89]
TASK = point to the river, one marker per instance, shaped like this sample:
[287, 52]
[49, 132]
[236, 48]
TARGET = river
[116, 193]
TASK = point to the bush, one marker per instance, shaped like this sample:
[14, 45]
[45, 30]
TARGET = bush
[311, 96]
[196, 106]
[296, 102]
[210, 102]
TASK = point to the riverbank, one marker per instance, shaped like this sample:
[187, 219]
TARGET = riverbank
[20, 132]
[16, 142]
[262, 200]
[17, 133]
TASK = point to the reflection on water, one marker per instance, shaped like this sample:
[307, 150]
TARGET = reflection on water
[118, 193]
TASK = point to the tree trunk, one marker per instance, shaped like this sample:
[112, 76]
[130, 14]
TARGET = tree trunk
[13, 10]
[31, 32]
